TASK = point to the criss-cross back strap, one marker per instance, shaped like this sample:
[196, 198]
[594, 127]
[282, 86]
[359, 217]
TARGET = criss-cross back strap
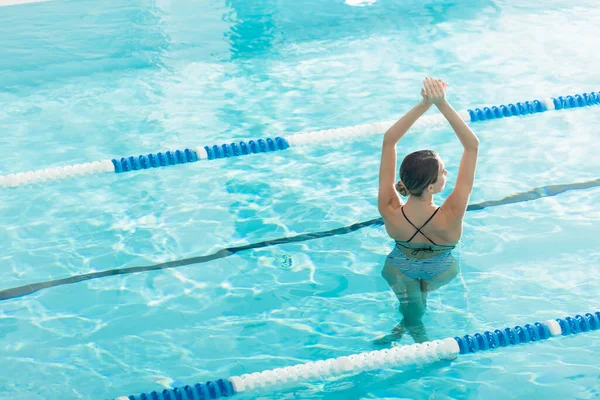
[422, 226]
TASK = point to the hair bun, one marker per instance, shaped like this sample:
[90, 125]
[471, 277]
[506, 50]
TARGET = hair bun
[401, 188]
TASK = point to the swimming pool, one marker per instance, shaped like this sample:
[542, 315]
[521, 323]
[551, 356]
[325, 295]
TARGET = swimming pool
[89, 81]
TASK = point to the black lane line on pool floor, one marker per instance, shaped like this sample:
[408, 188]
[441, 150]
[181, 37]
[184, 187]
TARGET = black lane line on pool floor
[534, 194]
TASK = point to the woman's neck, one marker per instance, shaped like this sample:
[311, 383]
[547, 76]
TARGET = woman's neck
[426, 200]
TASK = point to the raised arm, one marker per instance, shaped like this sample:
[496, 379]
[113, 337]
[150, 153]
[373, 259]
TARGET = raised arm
[387, 199]
[458, 200]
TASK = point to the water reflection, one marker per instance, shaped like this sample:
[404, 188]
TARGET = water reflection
[266, 27]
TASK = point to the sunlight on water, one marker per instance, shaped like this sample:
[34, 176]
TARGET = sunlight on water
[89, 81]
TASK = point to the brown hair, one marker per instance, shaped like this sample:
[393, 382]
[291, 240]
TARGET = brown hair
[418, 170]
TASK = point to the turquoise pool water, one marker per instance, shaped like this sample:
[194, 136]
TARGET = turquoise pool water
[83, 81]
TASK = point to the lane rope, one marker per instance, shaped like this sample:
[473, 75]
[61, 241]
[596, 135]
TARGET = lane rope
[418, 353]
[247, 147]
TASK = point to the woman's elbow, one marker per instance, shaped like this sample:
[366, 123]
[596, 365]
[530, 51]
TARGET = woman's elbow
[388, 141]
[473, 145]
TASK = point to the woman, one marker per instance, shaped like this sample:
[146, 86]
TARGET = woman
[424, 233]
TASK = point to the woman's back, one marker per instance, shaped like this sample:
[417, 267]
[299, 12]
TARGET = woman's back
[427, 225]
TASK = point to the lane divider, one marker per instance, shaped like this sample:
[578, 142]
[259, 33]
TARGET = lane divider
[241, 148]
[530, 195]
[418, 353]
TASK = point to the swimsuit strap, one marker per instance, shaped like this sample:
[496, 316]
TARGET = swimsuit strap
[422, 226]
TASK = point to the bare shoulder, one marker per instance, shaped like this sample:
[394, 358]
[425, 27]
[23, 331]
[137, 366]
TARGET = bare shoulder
[449, 224]
[390, 217]
[393, 222]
